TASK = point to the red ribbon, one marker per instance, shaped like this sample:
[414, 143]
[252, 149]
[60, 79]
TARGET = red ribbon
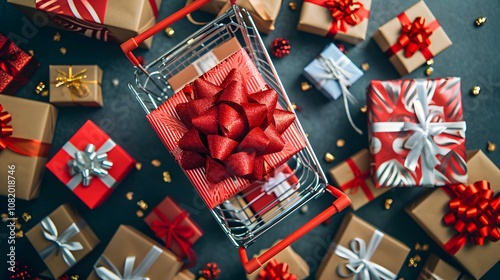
[276, 271]
[25, 147]
[359, 180]
[9, 54]
[173, 230]
[345, 13]
[474, 213]
[230, 130]
[415, 36]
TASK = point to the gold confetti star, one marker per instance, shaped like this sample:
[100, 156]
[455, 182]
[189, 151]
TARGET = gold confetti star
[20, 234]
[429, 71]
[491, 146]
[365, 66]
[44, 93]
[480, 21]
[430, 62]
[40, 87]
[412, 263]
[388, 203]
[305, 86]
[139, 213]
[142, 204]
[63, 50]
[26, 217]
[292, 5]
[340, 143]
[31, 52]
[170, 32]
[364, 109]
[138, 165]
[130, 195]
[5, 217]
[57, 37]
[329, 157]
[75, 277]
[476, 90]
[156, 163]
[166, 177]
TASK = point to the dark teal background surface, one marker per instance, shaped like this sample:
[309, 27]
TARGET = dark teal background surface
[474, 57]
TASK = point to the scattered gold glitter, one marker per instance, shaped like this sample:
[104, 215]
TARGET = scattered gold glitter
[18, 225]
[26, 217]
[340, 143]
[329, 157]
[294, 105]
[364, 109]
[130, 195]
[63, 50]
[20, 234]
[430, 62]
[39, 87]
[491, 146]
[166, 177]
[365, 66]
[44, 93]
[31, 52]
[388, 203]
[138, 165]
[156, 163]
[4, 217]
[429, 71]
[142, 204]
[139, 213]
[292, 5]
[476, 90]
[57, 37]
[305, 86]
[480, 21]
[170, 32]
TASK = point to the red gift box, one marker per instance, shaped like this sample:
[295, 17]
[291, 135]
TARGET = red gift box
[417, 132]
[175, 228]
[278, 188]
[16, 66]
[101, 183]
[168, 125]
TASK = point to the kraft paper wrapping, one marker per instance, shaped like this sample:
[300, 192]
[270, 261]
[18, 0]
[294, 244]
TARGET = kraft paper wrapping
[343, 174]
[390, 253]
[263, 12]
[62, 96]
[38, 124]
[63, 217]
[123, 21]
[296, 264]
[437, 267]
[388, 34]
[317, 20]
[128, 241]
[203, 64]
[185, 275]
[429, 210]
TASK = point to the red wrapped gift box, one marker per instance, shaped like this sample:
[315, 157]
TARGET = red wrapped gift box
[175, 228]
[169, 126]
[278, 188]
[16, 66]
[103, 179]
[417, 132]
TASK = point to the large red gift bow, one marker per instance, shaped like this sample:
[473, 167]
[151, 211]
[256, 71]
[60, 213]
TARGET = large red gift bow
[359, 180]
[230, 130]
[25, 147]
[415, 36]
[474, 213]
[173, 230]
[345, 13]
[276, 271]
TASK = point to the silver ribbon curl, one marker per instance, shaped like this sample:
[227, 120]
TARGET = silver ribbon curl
[88, 163]
[422, 143]
[359, 264]
[128, 270]
[60, 243]
[335, 71]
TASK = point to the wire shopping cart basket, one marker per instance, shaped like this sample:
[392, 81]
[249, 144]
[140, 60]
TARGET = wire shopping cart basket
[152, 89]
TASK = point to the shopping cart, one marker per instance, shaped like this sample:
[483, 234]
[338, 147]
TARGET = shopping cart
[152, 89]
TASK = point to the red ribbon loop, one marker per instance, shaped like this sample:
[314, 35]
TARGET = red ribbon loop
[474, 213]
[25, 147]
[173, 230]
[415, 36]
[345, 13]
[229, 130]
[276, 271]
[359, 180]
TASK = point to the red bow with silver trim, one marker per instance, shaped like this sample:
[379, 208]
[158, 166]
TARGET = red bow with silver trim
[474, 213]
[276, 271]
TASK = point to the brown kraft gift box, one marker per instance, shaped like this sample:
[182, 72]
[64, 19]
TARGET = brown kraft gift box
[127, 242]
[388, 34]
[90, 90]
[263, 12]
[429, 210]
[39, 124]
[344, 176]
[296, 264]
[390, 253]
[63, 217]
[122, 21]
[203, 64]
[436, 268]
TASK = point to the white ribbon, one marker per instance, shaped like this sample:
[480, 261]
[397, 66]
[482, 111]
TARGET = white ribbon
[421, 143]
[60, 242]
[278, 185]
[335, 71]
[128, 270]
[359, 264]
[88, 163]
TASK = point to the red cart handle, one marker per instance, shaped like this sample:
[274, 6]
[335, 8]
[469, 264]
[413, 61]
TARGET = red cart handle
[338, 205]
[132, 43]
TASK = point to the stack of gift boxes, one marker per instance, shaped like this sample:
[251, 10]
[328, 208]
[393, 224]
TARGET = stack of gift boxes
[233, 139]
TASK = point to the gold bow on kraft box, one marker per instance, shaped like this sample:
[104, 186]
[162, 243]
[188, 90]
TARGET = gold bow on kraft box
[76, 85]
